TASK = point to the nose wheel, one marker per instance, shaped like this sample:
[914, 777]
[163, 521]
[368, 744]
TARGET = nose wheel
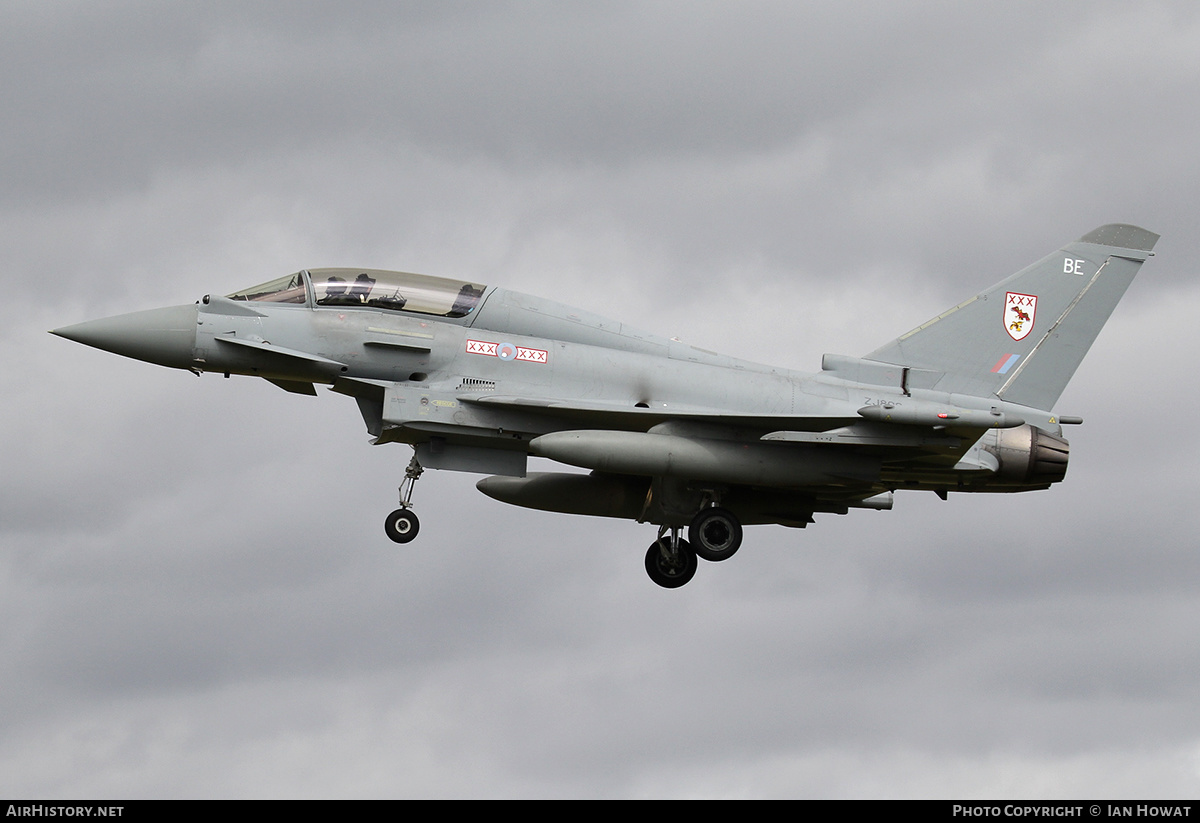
[402, 525]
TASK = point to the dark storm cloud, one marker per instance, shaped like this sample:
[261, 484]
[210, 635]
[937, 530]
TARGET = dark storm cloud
[811, 138]
[537, 83]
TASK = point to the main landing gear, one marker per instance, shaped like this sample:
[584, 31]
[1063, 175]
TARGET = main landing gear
[715, 534]
[670, 561]
[402, 525]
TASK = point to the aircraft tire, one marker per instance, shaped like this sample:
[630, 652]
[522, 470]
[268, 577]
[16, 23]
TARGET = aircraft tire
[402, 526]
[715, 534]
[670, 575]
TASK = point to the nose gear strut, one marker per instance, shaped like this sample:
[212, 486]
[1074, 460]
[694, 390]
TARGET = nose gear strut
[402, 525]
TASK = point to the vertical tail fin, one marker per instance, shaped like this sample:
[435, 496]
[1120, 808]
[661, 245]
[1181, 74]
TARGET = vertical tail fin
[1022, 339]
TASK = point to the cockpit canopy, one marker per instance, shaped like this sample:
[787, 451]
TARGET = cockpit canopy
[288, 289]
[370, 287]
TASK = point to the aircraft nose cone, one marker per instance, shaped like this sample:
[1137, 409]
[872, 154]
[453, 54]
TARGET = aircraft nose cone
[163, 336]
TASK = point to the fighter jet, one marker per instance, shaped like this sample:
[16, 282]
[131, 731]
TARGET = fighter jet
[477, 378]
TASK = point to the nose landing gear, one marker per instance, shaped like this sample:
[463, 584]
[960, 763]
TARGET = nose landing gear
[402, 525]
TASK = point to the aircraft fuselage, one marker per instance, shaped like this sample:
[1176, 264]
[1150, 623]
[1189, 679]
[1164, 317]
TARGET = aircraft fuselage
[479, 379]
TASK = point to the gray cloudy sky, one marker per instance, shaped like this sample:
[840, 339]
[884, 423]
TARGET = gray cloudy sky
[196, 595]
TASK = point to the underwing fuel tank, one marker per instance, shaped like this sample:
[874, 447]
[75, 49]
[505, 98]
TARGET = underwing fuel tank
[599, 496]
[631, 498]
[751, 463]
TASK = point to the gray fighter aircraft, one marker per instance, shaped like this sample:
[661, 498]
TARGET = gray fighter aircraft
[477, 378]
